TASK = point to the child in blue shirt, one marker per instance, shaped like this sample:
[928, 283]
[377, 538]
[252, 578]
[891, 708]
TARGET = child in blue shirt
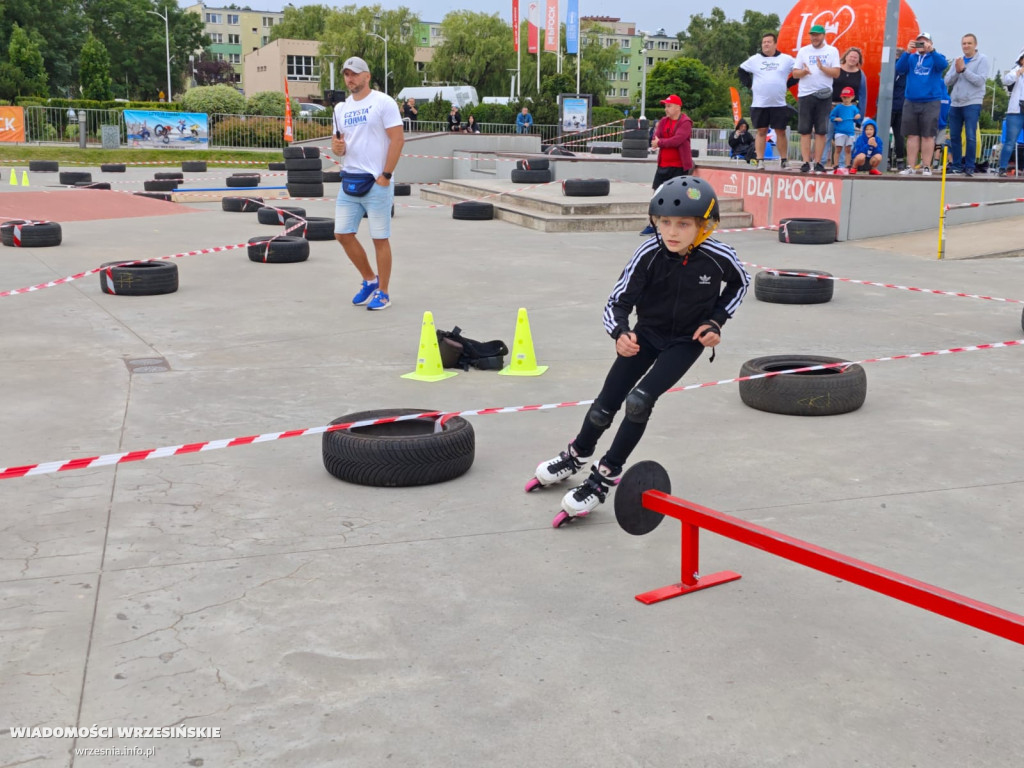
[845, 117]
[867, 150]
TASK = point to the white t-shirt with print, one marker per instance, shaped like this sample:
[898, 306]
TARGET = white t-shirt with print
[808, 58]
[770, 76]
[364, 125]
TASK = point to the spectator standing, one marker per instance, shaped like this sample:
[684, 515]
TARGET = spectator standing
[368, 133]
[966, 81]
[672, 140]
[741, 143]
[899, 89]
[851, 75]
[410, 114]
[455, 120]
[1014, 115]
[942, 136]
[524, 121]
[767, 74]
[817, 65]
[923, 66]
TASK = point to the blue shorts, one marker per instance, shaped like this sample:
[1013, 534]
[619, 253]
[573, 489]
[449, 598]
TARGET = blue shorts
[376, 204]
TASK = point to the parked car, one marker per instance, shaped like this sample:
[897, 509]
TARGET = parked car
[308, 109]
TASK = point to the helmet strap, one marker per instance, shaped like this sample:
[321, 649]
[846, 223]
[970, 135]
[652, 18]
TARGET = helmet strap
[707, 229]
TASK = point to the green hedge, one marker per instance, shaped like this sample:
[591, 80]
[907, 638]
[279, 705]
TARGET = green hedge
[263, 131]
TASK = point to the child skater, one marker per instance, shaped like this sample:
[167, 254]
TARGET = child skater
[683, 286]
[867, 150]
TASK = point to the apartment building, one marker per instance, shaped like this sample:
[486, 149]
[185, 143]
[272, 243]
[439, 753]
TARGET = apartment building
[299, 60]
[625, 80]
[235, 32]
[427, 36]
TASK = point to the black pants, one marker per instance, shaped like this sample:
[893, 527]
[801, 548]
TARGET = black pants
[663, 370]
[899, 143]
[664, 174]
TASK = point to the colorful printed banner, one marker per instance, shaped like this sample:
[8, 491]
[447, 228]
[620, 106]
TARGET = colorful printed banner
[12, 124]
[551, 31]
[150, 129]
[289, 135]
[572, 27]
[533, 28]
[515, 25]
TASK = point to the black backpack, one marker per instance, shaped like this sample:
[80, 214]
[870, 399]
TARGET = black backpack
[459, 352]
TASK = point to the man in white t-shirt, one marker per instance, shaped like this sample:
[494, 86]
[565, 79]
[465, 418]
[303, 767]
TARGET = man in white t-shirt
[368, 132]
[817, 65]
[766, 74]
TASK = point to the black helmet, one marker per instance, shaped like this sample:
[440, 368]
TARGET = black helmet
[685, 196]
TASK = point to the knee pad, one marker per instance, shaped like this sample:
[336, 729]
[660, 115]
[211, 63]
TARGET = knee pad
[600, 417]
[638, 406]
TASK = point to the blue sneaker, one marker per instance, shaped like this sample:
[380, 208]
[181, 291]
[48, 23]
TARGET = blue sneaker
[365, 292]
[648, 231]
[380, 300]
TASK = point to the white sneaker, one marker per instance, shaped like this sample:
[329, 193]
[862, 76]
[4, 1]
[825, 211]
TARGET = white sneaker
[926, 171]
[908, 171]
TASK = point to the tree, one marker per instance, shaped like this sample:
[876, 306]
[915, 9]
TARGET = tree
[214, 99]
[57, 27]
[211, 72]
[477, 51]
[94, 71]
[270, 103]
[723, 44]
[305, 23]
[702, 95]
[347, 32]
[23, 73]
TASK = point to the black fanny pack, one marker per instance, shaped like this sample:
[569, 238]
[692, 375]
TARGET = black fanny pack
[825, 94]
[357, 184]
[459, 352]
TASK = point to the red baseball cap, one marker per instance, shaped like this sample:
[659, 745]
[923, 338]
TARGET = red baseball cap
[847, 91]
[673, 99]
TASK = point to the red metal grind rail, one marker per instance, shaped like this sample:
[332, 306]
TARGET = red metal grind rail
[693, 517]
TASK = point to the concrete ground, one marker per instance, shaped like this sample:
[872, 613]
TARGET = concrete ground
[317, 623]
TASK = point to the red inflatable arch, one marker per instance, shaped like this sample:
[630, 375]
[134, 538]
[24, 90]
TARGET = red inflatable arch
[859, 23]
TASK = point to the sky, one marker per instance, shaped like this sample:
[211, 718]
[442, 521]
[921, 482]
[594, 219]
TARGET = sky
[999, 40]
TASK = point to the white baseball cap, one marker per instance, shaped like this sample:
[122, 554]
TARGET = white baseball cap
[355, 64]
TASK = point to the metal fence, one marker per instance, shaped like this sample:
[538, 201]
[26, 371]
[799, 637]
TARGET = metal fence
[58, 125]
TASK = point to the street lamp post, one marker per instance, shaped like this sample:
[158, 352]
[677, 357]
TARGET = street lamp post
[643, 84]
[167, 39]
[385, 39]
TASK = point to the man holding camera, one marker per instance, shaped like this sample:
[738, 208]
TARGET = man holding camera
[923, 66]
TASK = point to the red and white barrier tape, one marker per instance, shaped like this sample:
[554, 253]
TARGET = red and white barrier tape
[955, 206]
[746, 229]
[110, 459]
[192, 178]
[777, 271]
[17, 225]
[210, 163]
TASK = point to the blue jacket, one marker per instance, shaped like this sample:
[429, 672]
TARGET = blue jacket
[924, 75]
[847, 113]
[861, 146]
[524, 120]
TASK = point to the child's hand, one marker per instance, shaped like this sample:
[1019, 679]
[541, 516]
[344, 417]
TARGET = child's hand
[837, 119]
[857, 116]
[710, 339]
[626, 345]
[872, 142]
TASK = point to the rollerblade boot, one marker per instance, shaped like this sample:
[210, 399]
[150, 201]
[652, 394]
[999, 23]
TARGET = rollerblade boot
[582, 500]
[563, 466]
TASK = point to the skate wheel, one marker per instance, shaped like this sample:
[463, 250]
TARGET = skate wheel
[560, 519]
[532, 485]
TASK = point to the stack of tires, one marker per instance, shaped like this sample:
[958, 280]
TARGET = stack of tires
[305, 172]
[636, 139]
[533, 172]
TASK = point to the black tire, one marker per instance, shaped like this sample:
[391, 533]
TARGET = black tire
[169, 175]
[332, 177]
[291, 153]
[246, 174]
[165, 196]
[629, 124]
[277, 214]
[586, 187]
[147, 278]
[113, 167]
[473, 210]
[531, 177]
[643, 124]
[305, 190]
[303, 164]
[539, 164]
[827, 392]
[400, 453]
[808, 231]
[43, 165]
[403, 190]
[160, 185]
[93, 184]
[285, 249]
[243, 181]
[794, 289]
[306, 177]
[69, 178]
[240, 204]
[317, 228]
[643, 144]
[41, 235]
[277, 166]
[635, 153]
[602, 150]
[193, 166]
[637, 135]
[558, 152]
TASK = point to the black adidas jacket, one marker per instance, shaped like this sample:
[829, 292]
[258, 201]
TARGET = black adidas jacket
[674, 295]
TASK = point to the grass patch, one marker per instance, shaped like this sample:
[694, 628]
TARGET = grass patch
[75, 156]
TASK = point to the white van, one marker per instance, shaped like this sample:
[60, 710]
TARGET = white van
[459, 95]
